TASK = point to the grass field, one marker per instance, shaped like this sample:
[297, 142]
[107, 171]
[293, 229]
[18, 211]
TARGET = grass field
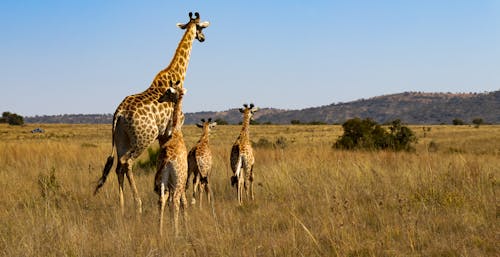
[311, 200]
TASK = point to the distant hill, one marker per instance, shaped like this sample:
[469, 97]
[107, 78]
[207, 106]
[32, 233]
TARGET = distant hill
[71, 119]
[410, 107]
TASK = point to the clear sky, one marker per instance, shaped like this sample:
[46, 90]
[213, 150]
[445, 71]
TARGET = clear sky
[71, 57]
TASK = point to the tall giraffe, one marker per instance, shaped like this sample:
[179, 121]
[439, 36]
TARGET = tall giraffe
[242, 159]
[200, 162]
[171, 175]
[140, 119]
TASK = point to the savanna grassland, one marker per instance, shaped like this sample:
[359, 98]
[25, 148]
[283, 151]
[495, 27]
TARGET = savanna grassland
[311, 200]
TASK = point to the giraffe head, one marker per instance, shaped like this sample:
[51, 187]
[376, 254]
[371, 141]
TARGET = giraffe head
[195, 22]
[207, 125]
[248, 111]
[172, 93]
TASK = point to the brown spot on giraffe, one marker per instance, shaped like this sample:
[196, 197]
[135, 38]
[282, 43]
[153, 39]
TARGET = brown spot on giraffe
[200, 163]
[171, 175]
[131, 122]
[242, 159]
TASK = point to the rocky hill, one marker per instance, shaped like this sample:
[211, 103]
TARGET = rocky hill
[410, 107]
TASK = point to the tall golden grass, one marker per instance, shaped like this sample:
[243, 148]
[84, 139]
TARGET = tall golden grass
[311, 200]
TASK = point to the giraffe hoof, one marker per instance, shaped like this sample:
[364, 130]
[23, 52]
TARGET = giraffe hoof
[193, 201]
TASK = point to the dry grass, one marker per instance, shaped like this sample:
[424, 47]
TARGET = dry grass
[311, 200]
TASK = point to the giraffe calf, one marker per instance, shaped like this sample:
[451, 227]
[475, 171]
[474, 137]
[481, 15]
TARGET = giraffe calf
[171, 175]
[200, 163]
[242, 158]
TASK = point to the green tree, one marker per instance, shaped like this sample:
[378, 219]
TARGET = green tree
[458, 122]
[401, 137]
[478, 121]
[362, 134]
[367, 134]
[12, 118]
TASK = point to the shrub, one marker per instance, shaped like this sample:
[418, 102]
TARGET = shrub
[150, 163]
[221, 121]
[262, 143]
[367, 134]
[477, 122]
[281, 142]
[401, 137]
[12, 118]
[458, 122]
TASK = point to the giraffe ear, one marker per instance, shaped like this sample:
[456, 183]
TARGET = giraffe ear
[212, 125]
[204, 24]
[242, 110]
[182, 26]
[199, 125]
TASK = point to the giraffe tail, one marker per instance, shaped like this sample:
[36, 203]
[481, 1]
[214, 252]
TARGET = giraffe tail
[105, 172]
[110, 160]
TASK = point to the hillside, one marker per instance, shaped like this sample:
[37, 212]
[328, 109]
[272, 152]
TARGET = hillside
[410, 107]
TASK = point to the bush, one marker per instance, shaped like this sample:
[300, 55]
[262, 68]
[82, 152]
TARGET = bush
[367, 134]
[221, 121]
[149, 165]
[280, 142]
[401, 137]
[12, 118]
[458, 122]
[477, 122]
[362, 134]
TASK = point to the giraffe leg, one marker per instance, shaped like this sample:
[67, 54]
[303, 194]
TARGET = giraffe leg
[196, 185]
[208, 192]
[200, 193]
[247, 182]
[250, 179]
[176, 206]
[184, 206]
[131, 181]
[161, 203]
[120, 175]
[241, 182]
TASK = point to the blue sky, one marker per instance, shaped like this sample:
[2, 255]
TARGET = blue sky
[61, 57]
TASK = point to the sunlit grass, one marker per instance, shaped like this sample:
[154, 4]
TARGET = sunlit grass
[311, 200]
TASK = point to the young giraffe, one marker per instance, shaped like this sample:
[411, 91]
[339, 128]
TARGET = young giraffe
[171, 175]
[140, 119]
[242, 159]
[200, 162]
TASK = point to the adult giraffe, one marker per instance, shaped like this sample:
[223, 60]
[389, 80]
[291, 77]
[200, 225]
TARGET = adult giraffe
[140, 119]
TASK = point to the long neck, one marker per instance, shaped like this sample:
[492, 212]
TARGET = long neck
[179, 63]
[204, 134]
[245, 132]
[176, 123]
